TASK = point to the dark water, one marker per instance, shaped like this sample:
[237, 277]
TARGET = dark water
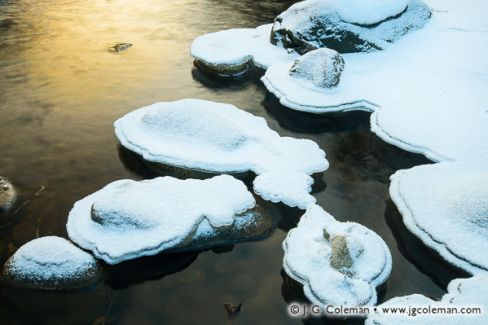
[61, 90]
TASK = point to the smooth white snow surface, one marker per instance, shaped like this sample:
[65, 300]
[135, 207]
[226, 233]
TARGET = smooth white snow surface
[462, 293]
[220, 138]
[238, 46]
[49, 259]
[427, 91]
[367, 12]
[308, 253]
[446, 206]
[128, 219]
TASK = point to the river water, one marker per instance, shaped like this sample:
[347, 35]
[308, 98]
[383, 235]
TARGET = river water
[60, 91]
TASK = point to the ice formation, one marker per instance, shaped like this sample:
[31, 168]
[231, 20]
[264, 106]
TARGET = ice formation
[220, 138]
[462, 293]
[443, 205]
[8, 196]
[129, 219]
[230, 52]
[338, 263]
[51, 263]
[436, 82]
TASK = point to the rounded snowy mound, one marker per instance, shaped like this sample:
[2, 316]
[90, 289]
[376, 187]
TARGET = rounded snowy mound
[368, 12]
[51, 263]
[347, 25]
[231, 52]
[445, 204]
[338, 263]
[129, 219]
[220, 138]
[462, 293]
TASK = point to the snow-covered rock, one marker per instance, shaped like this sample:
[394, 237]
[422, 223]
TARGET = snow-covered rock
[338, 263]
[369, 12]
[220, 138]
[462, 293]
[322, 68]
[51, 263]
[444, 205]
[129, 219]
[230, 52]
[427, 91]
[8, 196]
[347, 25]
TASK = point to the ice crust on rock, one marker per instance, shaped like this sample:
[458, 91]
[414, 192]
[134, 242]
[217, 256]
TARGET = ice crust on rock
[220, 138]
[51, 263]
[322, 68]
[8, 196]
[129, 219]
[347, 25]
[436, 79]
[470, 292]
[338, 263]
[444, 205]
[229, 52]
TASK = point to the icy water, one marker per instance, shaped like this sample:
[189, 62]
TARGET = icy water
[60, 91]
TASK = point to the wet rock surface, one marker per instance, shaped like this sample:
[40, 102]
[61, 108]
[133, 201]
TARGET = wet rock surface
[8, 197]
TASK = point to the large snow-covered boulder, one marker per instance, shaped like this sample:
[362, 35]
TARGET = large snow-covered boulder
[347, 25]
[8, 196]
[322, 68]
[51, 263]
[129, 219]
[465, 303]
[220, 138]
[231, 52]
[338, 263]
[444, 205]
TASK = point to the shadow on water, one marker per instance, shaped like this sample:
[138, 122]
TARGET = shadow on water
[147, 268]
[303, 122]
[425, 259]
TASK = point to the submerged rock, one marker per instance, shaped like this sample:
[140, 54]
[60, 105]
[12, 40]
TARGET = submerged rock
[443, 205]
[220, 138]
[347, 26]
[51, 263]
[120, 47]
[338, 263]
[129, 219]
[469, 294]
[232, 52]
[8, 196]
[322, 68]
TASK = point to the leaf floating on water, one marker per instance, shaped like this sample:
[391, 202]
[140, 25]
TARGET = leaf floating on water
[232, 310]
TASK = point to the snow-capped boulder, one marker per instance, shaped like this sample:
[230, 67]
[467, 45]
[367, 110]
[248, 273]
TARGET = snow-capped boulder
[338, 263]
[231, 52]
[8, 196]
[347, 25]
[443, 205]
[463, 294]
[322, 68]
[220, 138]
[129, 219]
[51, 263]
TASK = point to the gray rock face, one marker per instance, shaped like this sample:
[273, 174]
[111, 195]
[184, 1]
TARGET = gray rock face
[51, 263]
[311, 24]
[322, 67]
[8, 196]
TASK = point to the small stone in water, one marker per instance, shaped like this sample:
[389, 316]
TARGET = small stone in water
[8, 196]
[340, 258]
[120, 47]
